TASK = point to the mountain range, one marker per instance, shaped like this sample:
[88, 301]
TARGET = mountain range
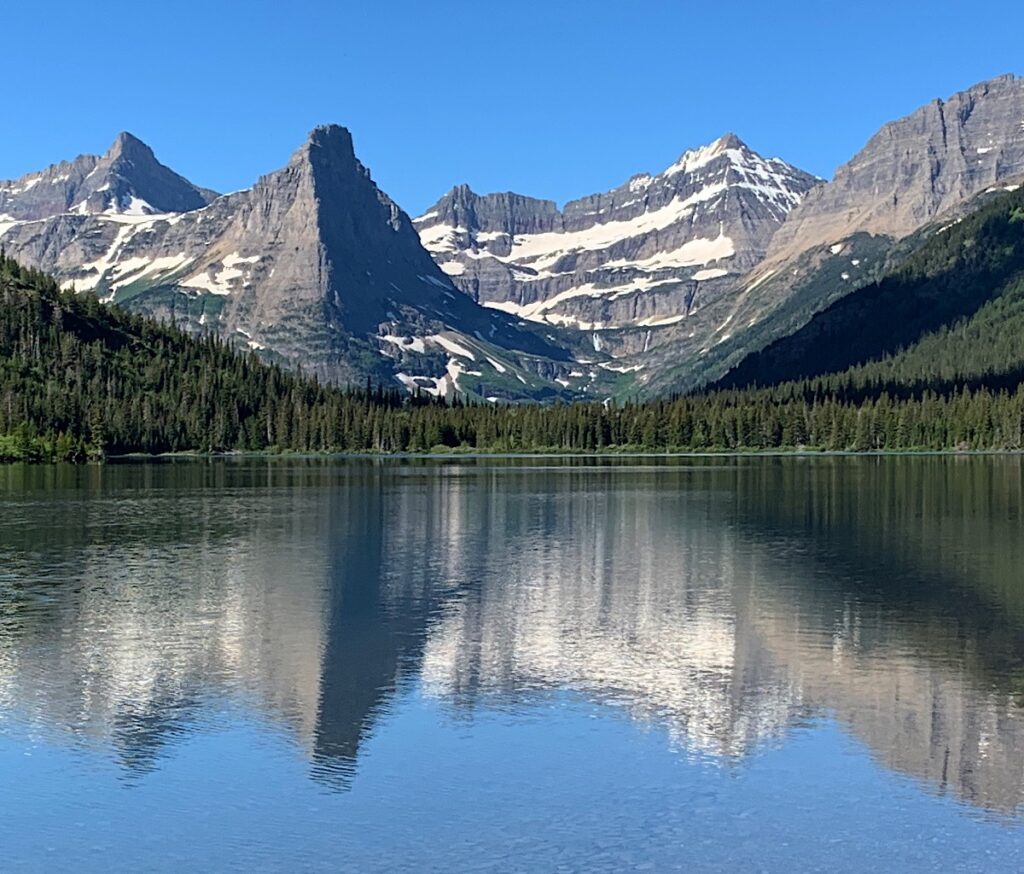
[666, 283]
[313, 266]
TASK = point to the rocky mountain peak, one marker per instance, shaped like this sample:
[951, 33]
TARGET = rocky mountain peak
[318, 265]
[130, 179]
[729, 140]
[727, 146]
[721, 146]
[731, 161]
[460, 197]
[644, 255]
[497, 213]
[916, 168]
[129, 147]
[126, 179]
[313, 263]
[328, 144]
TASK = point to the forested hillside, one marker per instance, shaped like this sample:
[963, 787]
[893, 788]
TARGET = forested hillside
[79, 379]
[953, 311]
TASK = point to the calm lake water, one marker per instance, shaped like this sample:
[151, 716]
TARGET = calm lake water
[799, 664]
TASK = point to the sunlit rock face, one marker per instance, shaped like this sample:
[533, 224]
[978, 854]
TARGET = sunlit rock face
[670, 280]
[590, 265]
[915, 169]
[664, 283]
[914, 177]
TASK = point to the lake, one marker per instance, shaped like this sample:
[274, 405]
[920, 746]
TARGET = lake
[537, 665]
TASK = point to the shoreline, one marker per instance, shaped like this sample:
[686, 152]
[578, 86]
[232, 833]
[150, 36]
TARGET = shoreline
[476, 455]
[483, 454]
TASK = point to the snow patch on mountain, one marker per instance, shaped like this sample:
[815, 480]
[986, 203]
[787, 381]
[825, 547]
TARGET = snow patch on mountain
[708, 216]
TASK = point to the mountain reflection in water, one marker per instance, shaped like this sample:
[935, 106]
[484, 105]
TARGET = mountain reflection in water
[724, 601]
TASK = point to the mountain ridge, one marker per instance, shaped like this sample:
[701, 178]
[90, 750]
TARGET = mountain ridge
[971, 140]
[628, 272]
[312, 265]
[126, 179]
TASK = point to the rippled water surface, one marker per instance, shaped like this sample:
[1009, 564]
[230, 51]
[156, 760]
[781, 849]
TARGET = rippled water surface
[513, 665]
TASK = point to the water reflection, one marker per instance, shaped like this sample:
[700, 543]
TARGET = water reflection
[724, 602]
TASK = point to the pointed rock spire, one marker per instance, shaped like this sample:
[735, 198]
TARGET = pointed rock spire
[130, 146]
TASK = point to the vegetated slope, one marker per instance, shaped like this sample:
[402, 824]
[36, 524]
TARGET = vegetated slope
[950, 312]
[916, 173]
[80, 378]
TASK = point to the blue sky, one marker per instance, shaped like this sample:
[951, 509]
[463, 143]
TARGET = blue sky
[556, 99]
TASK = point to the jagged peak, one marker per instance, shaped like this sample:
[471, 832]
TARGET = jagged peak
[457, 198]
[460, 194]
[996, 82]
[977, 90]
[133, 178]
[129, 146]
[729, 140]
[331, 136]
[694, 159]
[730, 148]
[463, 197]
[462, 190]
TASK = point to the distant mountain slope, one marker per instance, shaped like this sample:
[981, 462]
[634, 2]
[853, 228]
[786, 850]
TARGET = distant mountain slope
[662, 285]
[312, 266]
[915, 169]
[709, 215]
[78, 378]
[913, 176]
[127, 180]
[624, 270]
[953, 312]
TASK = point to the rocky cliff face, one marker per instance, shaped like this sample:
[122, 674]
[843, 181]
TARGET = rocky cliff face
[661, 284]
[915, 169]
[313, 265]
[647, 253]
[633, 276]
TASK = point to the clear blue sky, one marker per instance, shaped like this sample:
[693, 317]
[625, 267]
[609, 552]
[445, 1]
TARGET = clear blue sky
[555, 99]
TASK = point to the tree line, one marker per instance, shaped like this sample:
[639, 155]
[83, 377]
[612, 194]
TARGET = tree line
[80, 379]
